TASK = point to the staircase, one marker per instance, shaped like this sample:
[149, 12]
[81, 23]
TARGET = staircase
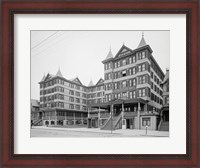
[112, 124]
[164, 126]
[37, 122]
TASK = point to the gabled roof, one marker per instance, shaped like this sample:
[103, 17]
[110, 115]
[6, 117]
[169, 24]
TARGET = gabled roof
[49, 76]
[100, 81]
[91, 83]
[142, 42]
[59, 73]
[124, 50]
[76, 80]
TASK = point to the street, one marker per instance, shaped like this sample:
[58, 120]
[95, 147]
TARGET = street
[41, 131]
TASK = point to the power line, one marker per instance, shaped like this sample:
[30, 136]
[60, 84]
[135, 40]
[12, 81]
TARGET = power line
[50, 45]
[44, 40]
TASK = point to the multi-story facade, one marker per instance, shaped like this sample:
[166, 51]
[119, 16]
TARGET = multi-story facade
[62, 101]
[129, 97]
[132, 86]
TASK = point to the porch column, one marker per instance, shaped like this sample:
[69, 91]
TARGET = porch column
[74, 119]
[138, 115]
[123, 120]
[99, 116]
[65, 121]
[55, 117]
[122, 110]
[82, 118]
[88, 112]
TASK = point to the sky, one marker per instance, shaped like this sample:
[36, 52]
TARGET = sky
[80, 53]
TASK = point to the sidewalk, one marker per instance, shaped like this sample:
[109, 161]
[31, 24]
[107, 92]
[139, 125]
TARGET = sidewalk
[122, 132]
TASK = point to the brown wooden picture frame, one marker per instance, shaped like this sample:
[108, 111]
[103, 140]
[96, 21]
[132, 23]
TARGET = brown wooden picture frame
[11, 7]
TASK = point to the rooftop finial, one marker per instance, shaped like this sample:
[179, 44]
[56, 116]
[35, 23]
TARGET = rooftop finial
[110, 47]
[142, 34]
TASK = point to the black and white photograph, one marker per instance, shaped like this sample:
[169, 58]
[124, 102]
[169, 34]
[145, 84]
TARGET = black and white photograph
[99, 83]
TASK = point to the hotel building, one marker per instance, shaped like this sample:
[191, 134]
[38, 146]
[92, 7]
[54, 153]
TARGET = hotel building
[129, 97]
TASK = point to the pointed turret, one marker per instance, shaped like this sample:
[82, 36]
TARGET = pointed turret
[142, 42]
[43, 78]
[91, 83]
[59, 73]
[110, 55]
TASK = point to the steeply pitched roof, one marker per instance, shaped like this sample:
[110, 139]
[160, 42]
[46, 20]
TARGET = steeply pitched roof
[59, 73]
[49, 76]
[166, 78]
[110, 55]
[76, 80]
[124, 50]
[100, 81]
[91, 83]
[43, 78]
[142, 42]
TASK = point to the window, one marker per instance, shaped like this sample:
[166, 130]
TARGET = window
[115, 86]
[124, 95]
[130, 82]
[155, 78]
[83, 101]
[115, 64]
[143, 79]
[134, 94]
[134, 82]
[140, 93]
[134, 59]
[118, 63]
[124, 73]
[109, 76]
[71, 99]
[130, 71]
[109, 65]
[71, 92]
[143, 92]
[105, 66]
[139, 68]
[78, 107]
[130, 95]
[130, 60]
[77, 100]
[133, 71]
[140, 80]
[78, 94]
[123, 62]
[109, 97]
[124, 84]
[143, 55]
[151, 74]
[119, 95]
[146, 121]
[151, 85]
[143, 67]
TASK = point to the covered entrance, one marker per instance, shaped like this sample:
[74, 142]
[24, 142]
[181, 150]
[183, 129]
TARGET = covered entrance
[130, 123]
[92, 122]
